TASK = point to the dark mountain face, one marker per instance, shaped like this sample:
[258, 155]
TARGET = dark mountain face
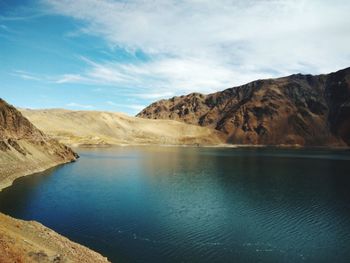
[298, 109]
[15, 130]
[13, 125]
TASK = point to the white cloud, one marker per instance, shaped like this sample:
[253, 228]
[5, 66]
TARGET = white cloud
[135, 107]
[77, 105]
[19, 18]
[161, 78]
[26, 75]
[70, 78]
[3, 27]
[204, 45]
[154, 95]
[111, 103]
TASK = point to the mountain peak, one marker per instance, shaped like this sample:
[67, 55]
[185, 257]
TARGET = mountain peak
[298, 109]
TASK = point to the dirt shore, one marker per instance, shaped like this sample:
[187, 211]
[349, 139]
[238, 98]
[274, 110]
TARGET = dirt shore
[29, 241]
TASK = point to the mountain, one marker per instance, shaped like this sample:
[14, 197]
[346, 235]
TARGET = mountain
[24, 149]
[106, 128]
[299, 109]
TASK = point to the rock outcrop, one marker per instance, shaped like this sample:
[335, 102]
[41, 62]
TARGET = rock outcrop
[24, 149]
[295, 110]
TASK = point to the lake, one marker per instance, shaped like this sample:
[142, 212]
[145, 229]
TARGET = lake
[193, 204]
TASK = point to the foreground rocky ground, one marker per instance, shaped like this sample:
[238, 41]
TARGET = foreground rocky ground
[22, 241]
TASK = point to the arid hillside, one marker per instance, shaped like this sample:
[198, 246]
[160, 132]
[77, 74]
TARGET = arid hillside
[298, 109]
[106, 128]
[24, 149]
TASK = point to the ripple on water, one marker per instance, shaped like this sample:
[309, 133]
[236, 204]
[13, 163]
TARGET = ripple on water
[196, 205]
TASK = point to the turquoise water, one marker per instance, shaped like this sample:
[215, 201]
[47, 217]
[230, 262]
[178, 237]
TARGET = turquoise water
[176, 204]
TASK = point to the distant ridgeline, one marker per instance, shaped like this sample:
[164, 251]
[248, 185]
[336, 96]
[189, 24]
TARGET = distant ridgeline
[295, 110]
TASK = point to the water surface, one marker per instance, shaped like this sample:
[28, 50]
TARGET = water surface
[176, 204]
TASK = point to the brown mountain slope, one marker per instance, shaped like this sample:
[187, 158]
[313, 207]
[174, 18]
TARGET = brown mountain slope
[24, 149]
[108, 128]
[298, 109]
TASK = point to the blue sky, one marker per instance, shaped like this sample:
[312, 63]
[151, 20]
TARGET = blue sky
[123, 55]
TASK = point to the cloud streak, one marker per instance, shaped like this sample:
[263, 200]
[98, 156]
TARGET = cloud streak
[204, 46]
[135, 107]
[78, 105]
[159, 78]
[26, 75]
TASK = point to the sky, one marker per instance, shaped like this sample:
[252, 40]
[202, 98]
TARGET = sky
[122, 55]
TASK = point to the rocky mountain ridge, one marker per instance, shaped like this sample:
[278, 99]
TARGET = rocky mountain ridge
[24, 149]
[294, 110]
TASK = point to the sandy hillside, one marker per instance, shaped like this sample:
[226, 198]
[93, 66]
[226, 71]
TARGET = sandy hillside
[99, 128]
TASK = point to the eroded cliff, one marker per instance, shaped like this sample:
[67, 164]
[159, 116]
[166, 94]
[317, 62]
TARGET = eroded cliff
[24, 149]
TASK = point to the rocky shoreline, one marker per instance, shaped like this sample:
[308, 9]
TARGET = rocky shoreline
[11, 178]
[30, 241]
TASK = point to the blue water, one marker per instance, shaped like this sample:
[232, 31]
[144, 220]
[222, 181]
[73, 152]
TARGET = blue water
[176, 204]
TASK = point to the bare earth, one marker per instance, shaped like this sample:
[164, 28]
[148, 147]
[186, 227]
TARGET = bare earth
[106, 128]
[14, 164]
[24, 149]
[23, 241]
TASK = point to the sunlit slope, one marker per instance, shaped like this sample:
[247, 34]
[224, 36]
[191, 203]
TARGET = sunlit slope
[101, 128]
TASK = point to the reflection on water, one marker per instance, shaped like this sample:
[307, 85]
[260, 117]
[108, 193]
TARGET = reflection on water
[168, 204]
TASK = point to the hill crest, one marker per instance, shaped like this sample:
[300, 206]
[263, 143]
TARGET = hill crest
[297, 109]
